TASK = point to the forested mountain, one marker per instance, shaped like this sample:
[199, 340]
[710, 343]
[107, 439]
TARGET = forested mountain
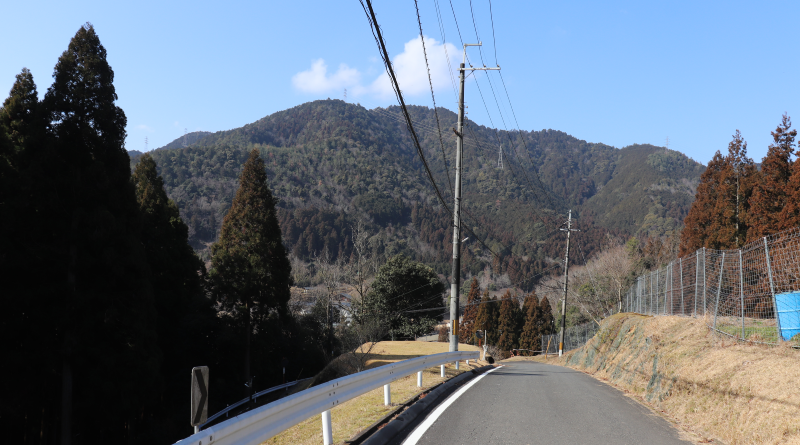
[331, 162]
[185, 140]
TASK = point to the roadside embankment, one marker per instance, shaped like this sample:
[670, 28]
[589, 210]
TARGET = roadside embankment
[710, 384]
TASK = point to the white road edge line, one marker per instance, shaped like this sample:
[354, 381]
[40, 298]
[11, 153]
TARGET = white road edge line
[416, 435]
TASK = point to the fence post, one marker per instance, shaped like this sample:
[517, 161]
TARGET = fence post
[666, 289]
[680, 273]
[672, 288]
[327, 432]
[719, 288]
[639, 295]
[741, 289]
[657, 283]
[704, 281]
[696, 280]
[772, 291]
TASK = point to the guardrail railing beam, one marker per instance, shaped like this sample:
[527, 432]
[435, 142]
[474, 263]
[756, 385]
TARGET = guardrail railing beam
[262, 423]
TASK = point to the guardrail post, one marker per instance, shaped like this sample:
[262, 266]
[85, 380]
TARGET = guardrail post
[419, 379]
[387, 395]
[442, 371]
[327, 432]
[456, 365]
[467, 362]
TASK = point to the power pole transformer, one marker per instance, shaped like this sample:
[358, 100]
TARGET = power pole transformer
[456, 273]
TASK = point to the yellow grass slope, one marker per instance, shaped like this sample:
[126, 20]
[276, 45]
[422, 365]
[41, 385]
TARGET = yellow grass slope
[353, 416]
[718, 388]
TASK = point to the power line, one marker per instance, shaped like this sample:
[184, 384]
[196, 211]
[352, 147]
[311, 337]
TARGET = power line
[456, 20]
[494, 40]
[376, 33]
[433, 98]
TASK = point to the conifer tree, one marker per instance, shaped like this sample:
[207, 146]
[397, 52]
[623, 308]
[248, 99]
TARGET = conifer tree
[700, 222]
[470, 312]
[94, 309]
[486, 319]
[530, 338]
[791, 213]
[547, 322]
[770, 191]
[736, 187]
[20, 118]
[509, 322]
[186, 319]
[250, 271]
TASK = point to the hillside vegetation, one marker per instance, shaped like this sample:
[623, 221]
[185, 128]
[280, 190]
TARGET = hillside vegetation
[735, 392]
[330, 163]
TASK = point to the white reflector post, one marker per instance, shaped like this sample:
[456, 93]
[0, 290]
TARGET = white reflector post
[327, 432]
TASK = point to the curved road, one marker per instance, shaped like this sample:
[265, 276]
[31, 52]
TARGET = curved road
[531, 403]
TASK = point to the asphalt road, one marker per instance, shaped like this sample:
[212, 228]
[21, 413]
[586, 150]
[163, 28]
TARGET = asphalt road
[534, 403]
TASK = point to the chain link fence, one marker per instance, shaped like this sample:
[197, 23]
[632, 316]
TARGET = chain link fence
[574, 337]
[751, 294]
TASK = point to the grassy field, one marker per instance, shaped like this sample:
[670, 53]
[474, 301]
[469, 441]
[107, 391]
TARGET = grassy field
[351, 417]
[706, 383]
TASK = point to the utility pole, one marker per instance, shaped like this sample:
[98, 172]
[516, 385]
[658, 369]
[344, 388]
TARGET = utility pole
[569, 230]
[456, 273]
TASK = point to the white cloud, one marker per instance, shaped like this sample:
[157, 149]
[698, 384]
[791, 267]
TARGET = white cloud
[409, 67]
[317, 80]
[144, 127]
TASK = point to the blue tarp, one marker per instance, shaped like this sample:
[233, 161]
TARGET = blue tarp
[788, 313]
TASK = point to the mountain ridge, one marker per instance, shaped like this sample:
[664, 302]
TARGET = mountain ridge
[347, 161]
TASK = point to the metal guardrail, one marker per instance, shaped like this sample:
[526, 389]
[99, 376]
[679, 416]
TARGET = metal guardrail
[243, 401]
[262, 423]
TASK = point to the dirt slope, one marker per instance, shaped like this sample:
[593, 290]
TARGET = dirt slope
[718, 388]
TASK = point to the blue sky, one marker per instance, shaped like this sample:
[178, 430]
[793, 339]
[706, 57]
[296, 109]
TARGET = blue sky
[612, 72]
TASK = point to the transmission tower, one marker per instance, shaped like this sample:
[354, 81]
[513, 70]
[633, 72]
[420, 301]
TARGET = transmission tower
[184, 137]
[500, 158]
[145, 143]
[345, 94]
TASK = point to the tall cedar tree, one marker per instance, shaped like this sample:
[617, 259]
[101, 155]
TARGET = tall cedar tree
[470, 312]
[530, 338]
[31, 346]
[547, 322]
[403, 285]
[186, 318]
[509, 322]
[791, 213]
[770, 192]
[250, 271]
[700, 222]
[486, 319]
[107, 316]
[87, 327]
[737, 188]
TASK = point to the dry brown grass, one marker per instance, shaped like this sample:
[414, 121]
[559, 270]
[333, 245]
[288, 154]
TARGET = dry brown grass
[353, 416]
[709, 384]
